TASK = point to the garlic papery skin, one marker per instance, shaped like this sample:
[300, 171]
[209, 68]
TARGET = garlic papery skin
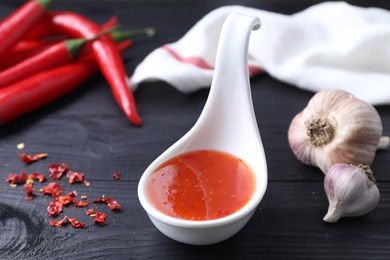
[335, 127]
[351, 191]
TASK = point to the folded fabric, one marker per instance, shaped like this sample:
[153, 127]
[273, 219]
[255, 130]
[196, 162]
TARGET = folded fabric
[328, 45]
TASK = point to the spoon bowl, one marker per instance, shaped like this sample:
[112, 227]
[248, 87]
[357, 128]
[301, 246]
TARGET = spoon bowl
[228, 124]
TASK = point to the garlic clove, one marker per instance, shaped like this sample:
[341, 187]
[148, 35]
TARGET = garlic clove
[335, 127]
[351, 191]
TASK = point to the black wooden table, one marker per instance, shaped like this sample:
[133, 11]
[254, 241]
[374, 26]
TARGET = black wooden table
[86, 130]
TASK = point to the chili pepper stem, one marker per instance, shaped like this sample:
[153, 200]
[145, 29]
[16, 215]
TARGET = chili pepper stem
[118, 36]
[74, 45]
[45, 3]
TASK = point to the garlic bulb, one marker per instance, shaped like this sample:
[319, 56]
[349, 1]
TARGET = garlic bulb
[335, 127]
[351, 191]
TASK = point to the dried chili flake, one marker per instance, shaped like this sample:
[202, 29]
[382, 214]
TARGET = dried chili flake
[54, 208]
[116, 176]
[100, 218]
[53, 188]
[74, 176]
[72, 194]
[65, 200]
[112, 204]
[58, 223]
[57, 170]
[75, 223]
[37, 176]
[29, 191]
[26, 158]
[80, 204]
[14, 178]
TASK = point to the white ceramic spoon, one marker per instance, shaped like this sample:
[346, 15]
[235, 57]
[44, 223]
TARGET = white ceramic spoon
[227, 124]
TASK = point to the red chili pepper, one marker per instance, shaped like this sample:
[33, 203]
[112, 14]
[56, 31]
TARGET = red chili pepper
[107, 57]
[111, 23]
[26, 95]
[42, 88]
[18, 23]
[33, 44]
[15, 56]
[56, 55]
[45, 29]
[42, 29]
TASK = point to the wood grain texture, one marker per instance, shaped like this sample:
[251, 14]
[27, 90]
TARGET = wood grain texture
[87, 130]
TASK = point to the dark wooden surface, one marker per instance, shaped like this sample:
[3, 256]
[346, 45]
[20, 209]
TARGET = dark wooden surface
[86, 130]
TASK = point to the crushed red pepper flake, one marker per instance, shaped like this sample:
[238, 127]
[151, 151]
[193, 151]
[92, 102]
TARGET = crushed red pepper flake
[28, 187]
[36, 176]
[57, 170]
[65, 200]
[54, 208]
[116, 176]
[58, 223]
[74, 177]
[80, 204]
[27, 159]
[75, 223]
[14, 178]
[72, 194]
[100, 218]
[53, 188]
[112, 204]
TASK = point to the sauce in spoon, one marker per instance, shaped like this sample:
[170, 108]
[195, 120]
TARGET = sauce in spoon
[201, 185]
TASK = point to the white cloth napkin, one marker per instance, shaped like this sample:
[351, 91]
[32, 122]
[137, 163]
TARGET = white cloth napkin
[329, 45]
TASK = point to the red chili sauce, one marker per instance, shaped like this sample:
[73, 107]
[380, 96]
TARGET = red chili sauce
[201, 185]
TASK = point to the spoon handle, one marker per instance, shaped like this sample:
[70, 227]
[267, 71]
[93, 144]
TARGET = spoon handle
[230, 102]
[231, 65]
